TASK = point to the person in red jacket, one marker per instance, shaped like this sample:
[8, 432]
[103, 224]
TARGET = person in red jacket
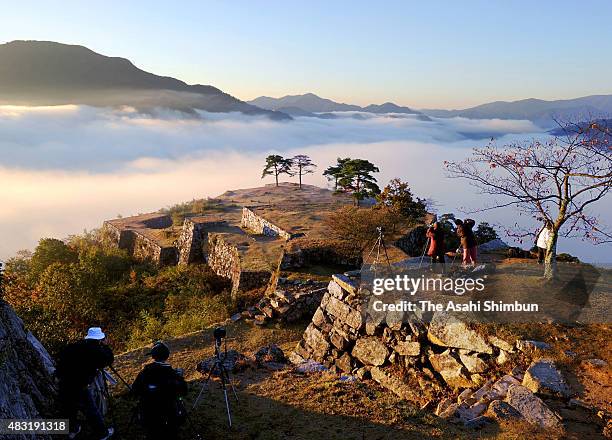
[436, 250]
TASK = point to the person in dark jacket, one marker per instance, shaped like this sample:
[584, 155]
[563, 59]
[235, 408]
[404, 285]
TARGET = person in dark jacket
[437, 249]
[468, 240]
[76, 367]
[159, 388]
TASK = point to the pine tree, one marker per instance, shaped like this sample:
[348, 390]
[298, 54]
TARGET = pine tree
[277, 165]
[334, 172]
[302, 164]
[356, 178]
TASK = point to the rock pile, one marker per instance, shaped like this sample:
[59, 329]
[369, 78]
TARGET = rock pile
[504, 399]
[269, 356]
[444, 353]
[292, 301]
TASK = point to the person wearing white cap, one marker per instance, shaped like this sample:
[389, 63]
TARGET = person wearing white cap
[76, 368]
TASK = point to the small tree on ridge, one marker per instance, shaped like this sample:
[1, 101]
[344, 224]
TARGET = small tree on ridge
[277, 165]
[302, 165]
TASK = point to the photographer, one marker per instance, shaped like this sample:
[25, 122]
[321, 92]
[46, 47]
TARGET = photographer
[159, 388]
[436, 250]
[468, 241]
[78, 364]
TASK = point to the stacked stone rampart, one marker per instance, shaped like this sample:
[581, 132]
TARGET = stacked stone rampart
[418, 360]
[224, 259]
[290, 302]
[147, 249]
[413, 243]
[193, 237]
[260, 225]
[124, 238]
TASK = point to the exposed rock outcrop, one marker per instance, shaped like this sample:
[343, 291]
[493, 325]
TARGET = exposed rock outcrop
[27, 388]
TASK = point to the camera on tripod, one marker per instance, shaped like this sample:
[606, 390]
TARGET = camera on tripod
[219, 369]
[219, 333]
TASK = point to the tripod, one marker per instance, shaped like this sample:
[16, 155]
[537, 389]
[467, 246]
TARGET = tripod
[224, 375]
[378, 245]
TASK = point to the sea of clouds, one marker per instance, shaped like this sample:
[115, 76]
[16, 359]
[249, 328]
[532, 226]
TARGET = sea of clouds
[67, 168]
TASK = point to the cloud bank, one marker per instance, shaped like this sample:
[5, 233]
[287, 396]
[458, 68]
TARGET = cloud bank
[68, 168]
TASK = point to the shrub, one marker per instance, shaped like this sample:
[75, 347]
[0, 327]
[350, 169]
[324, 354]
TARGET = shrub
[485, 233]
[66, 287]
[397, 195]
[358, 226]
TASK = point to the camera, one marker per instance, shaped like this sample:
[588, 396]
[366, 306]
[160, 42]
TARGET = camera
[219, 333]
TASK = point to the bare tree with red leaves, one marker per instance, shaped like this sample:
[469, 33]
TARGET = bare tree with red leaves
[557, 180]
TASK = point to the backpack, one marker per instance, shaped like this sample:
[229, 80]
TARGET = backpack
[160, 406]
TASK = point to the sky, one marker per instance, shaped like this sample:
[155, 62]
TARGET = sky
[444, 54]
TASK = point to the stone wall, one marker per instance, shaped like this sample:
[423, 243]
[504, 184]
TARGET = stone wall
[423, 361]
[124, 238]
[189, 244]
[344, 338]
[148, 250]
[260, 225]
[290, 302]
[309, 252]
[192, 239]
[224, 260]
[413, 243]
[27, 388]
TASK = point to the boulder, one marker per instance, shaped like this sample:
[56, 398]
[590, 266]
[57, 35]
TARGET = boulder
[502, 357]
[27, 386]
[232, 361]
[295, 358]
[543, 377]
[394, 384]
[316, 341]
[499, 389]
[503, 411]
[346, 283]
[344, 313]
[362, 373]
[472, 362]
[318, 318]
[466, 413]
[532, 408]
[408, 348]
[501, 344]
[338, 341]
[443, 404]
[270, 353]
[447, 331]
[345, 363]
[336, 290]
[370, 351]
[449, 411]
[451, 370]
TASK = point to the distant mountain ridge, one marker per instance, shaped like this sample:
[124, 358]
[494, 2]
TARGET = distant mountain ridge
[539, 111]
[311, 103]
[536, 110]
[49, 73]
